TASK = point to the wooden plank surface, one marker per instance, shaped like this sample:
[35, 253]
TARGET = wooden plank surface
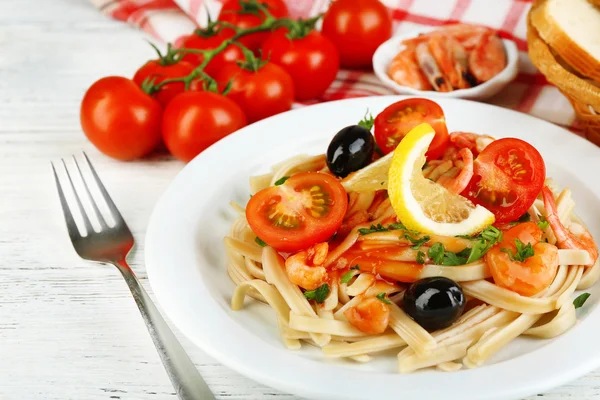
[69, 329]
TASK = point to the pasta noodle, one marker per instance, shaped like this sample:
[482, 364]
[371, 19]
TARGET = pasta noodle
[375, 266]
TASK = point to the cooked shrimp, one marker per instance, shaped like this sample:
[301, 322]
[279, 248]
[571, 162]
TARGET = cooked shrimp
[451, 57]
[305, 268]
[371, 316]
[467, 35]
[472, 141]
[455, 179]
[488, 58]
[431, 69]
[405, 70]
[532, 275]
[575, 238]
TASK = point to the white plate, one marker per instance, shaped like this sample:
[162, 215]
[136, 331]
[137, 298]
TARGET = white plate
[387, 51]
[186, 264]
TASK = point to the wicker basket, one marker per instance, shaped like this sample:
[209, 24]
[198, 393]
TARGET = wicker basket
[583, 94]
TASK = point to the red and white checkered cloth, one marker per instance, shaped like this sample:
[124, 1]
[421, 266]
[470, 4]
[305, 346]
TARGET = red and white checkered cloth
[166, 20]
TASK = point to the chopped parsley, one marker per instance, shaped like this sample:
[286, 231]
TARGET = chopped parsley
[481, 244]
[523, 251]
[368, 121]
[464, 236]
[319, 294]
[260, 242]
[491, 234]
[580, 300]
[396, 226]
[372, 229]
[381, 296]
[543, 224]
[420, 257]
[417, 242]
[347, 277]
[436, 253]
[453, 259]
[281, 180]
[381, 228]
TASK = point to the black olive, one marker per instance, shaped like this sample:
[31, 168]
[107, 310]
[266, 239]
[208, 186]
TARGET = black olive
[434, 303]
[350, 150]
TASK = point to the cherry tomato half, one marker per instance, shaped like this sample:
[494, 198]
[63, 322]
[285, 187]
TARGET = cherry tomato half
[306, 209]
[262, 93]
[153, 69]
[233, 12]
[208, 41]
[120, 119]
[357, 28]
[311, 61]
[195, 120]
[508, 175]
[393, 123]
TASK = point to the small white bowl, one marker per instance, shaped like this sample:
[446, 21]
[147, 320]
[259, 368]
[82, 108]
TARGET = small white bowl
[389, 49]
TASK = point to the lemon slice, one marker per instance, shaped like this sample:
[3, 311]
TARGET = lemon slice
[423, 205]
[370, 178]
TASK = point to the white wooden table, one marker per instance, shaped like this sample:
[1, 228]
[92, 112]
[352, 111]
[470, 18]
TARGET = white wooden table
[69, 329]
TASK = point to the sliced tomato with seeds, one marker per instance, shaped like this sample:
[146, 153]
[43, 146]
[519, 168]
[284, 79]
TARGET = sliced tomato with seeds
[508, 175]
[396, 120]
[307, 208]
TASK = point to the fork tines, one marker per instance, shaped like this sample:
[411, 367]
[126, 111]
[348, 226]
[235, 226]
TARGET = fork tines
[73, 211]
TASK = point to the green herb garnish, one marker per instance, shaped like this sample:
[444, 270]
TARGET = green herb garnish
[453, 259]
[523, 251]
[319, 294]
[281, 180]
[543, 224]
[580, 300]
[260, 242]
[464, 236]
[420, 257]
[347, 277]
[397, 226]
[372, 229]
[491, 234]
[436, 253]
[417, 243]
[381, 228]
[368, 121]
[381, 296]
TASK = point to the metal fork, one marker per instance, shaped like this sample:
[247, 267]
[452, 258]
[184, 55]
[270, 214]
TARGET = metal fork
[110, 246]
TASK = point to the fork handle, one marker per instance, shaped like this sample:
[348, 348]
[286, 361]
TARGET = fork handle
[184, 375]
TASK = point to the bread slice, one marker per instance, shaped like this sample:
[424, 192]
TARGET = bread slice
[572, 29]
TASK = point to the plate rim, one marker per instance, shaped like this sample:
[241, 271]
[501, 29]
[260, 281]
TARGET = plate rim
[282, 381]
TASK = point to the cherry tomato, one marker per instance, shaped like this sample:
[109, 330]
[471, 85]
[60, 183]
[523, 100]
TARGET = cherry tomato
[393, 123]
[154, 69]
[508, 175]
[357, 28]
[306, 209]
[311, 61]
[241, 14]
[263, 93]
[195, 120]
[120, 119]
[207, 41]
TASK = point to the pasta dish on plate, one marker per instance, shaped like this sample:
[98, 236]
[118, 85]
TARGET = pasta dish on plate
[443, 246]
